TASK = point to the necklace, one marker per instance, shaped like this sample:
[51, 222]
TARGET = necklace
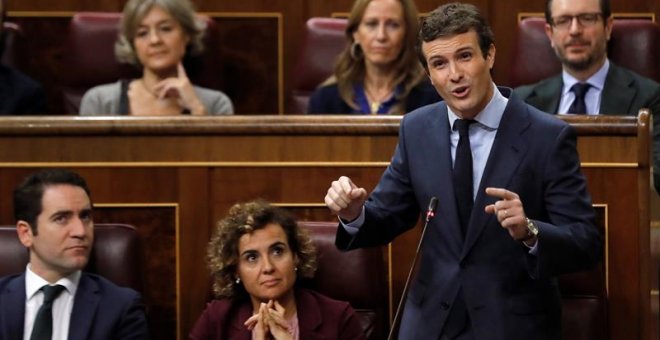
[144, 85]
[376, 101]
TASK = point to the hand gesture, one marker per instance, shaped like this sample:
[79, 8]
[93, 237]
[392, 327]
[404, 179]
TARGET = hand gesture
[277, 324]
[180, 88]
[269, 322]
[510, 213]
[345, 199]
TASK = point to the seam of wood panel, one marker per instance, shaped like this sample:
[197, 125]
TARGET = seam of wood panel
[609, 165]
[177, 246]
[606, 259]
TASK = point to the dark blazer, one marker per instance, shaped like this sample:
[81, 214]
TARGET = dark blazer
[101, 310]
[509, 293]
[625, 92]
[319, 317]
[19, 94]
[326, 99]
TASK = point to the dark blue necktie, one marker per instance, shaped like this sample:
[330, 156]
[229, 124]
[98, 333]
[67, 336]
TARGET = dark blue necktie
[463, 188]
[462, 173]
[579, 106]
[43, 323]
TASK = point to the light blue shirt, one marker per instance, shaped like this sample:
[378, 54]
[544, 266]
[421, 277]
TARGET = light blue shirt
[482, 135]
[592, 97]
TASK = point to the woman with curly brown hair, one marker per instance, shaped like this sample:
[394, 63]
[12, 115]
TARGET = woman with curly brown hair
[256, 255]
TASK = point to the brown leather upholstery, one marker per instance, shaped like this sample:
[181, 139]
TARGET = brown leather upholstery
[115, 254]
[324, 39]
[634, 44]
[357, 276]
[584, 305]
[90, 58]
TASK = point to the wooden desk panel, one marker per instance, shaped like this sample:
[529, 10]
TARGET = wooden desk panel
[202, 166]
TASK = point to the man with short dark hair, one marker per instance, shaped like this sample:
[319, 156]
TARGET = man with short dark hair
[53, 298]
[589, 83]
[513, 207]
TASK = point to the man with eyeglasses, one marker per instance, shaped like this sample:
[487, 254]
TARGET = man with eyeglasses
[589, 82]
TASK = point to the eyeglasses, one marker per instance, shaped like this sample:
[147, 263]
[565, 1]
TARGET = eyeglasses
[564, 22]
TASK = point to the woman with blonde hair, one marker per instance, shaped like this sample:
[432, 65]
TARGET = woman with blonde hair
[257, 255]
[155, 35]
[378, 72]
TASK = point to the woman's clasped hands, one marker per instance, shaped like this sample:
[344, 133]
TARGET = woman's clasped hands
[269, 322]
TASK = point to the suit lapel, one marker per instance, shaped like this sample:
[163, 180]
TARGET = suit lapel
[440, 177]
[618, 93]
[505, 157]
[545, 96]
[85, 307]
[12, 309]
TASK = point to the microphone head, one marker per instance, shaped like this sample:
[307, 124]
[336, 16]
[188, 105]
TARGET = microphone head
[430, 211]
[433, 204]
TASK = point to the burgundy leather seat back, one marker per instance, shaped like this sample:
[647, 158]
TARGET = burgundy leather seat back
[324, 39]
[356, 276]
[89, 57]
[115, 255]
[634, 44]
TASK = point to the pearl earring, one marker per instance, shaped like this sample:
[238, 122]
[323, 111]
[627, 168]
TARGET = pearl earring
[238, 280]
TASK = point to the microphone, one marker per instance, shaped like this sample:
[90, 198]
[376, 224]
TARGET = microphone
[430, 213]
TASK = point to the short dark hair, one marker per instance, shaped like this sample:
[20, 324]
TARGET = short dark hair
[28, 195]
[605, 9]
[451, 19]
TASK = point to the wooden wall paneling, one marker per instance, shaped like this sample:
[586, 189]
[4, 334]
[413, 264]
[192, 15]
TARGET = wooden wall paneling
[249, 67]
[157, 226]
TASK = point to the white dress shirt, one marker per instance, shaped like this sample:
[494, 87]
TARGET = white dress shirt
[62, 306]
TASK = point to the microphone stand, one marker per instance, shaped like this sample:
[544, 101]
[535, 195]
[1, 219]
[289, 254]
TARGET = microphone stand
[430, 213]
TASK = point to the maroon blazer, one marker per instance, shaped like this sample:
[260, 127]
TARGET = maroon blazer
[319, 317]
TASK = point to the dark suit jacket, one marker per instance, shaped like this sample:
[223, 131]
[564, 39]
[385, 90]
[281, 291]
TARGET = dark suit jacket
[625, 92]
[509, 293]
[319, 317]
[101, 310]
[20, 95]
[326, 99]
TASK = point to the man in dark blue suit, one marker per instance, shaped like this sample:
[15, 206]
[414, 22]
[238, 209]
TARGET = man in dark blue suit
[487, 272]
[53, 213]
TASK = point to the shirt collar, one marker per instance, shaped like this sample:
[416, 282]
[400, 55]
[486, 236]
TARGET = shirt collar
[34, 282]
[490, 116]
[597, 80]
